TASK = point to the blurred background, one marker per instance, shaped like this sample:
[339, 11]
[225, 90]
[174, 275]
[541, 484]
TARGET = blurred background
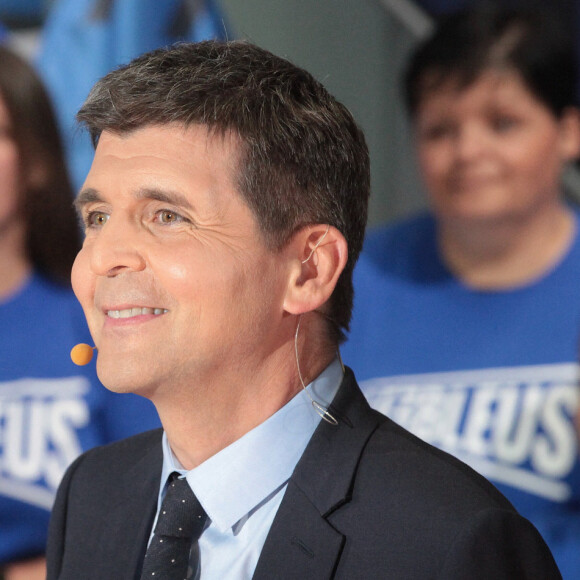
[357, 48]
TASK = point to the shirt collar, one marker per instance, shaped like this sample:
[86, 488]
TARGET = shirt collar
[234, 481]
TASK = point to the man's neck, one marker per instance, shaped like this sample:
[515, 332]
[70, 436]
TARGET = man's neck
[203, 418]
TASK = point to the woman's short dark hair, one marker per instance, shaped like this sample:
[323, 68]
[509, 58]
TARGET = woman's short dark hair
[527, 40]
[303, 158]
[46, 197]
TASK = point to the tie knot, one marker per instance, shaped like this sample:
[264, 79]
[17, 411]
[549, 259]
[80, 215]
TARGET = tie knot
[181, 514]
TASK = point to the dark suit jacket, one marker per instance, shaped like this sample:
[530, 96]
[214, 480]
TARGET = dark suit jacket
[367, 500]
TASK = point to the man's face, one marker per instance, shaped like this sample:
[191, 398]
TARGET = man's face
[176, 283]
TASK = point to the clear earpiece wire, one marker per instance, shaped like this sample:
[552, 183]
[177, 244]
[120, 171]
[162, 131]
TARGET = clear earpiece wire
[316, 245]
[318, 407]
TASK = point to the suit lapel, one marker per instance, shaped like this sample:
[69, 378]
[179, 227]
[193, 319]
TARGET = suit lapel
[132, 516]
[301, 542]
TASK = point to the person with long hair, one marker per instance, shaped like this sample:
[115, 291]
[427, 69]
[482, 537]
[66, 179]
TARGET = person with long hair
[50, 410]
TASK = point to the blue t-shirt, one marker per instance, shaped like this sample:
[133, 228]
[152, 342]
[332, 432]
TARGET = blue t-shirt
[490, 376]
[50, 410]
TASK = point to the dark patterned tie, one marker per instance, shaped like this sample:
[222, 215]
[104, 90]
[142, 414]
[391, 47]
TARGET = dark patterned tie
[180, 523]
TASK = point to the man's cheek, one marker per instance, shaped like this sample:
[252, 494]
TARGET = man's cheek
[79, 278]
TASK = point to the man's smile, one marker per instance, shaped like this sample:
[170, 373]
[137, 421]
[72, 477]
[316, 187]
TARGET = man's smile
[135, 311]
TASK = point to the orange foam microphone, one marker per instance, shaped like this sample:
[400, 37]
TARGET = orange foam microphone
[82, 354]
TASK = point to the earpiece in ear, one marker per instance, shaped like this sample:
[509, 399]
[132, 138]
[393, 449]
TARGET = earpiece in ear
[317, 244]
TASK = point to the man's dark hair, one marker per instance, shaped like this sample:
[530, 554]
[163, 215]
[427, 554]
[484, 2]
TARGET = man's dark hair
[528, 40]
[303, 158]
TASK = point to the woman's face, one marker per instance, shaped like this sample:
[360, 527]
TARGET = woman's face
[9, 172]
[492, 151]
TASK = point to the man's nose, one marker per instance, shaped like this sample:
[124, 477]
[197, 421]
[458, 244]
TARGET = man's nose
[116, 249]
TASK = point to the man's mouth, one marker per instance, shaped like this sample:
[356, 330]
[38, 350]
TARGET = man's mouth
[137, 311]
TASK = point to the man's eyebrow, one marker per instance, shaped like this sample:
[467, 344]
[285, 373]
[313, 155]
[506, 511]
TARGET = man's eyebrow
[87, 195]
[164, 196]
[90, 195]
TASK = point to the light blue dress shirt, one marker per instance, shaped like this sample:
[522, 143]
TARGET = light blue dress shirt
[242, 486]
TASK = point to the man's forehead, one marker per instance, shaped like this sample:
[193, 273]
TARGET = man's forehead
[187, 166]
[172, 144]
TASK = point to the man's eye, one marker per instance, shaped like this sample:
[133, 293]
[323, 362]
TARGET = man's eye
[97, 219]
[166, 216]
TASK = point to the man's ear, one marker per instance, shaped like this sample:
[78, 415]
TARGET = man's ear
[319, 255]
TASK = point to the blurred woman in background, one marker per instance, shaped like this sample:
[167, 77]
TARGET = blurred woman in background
[467, 317]
[50, 410]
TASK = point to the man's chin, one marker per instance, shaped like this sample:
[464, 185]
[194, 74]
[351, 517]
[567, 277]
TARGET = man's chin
[122, 377]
